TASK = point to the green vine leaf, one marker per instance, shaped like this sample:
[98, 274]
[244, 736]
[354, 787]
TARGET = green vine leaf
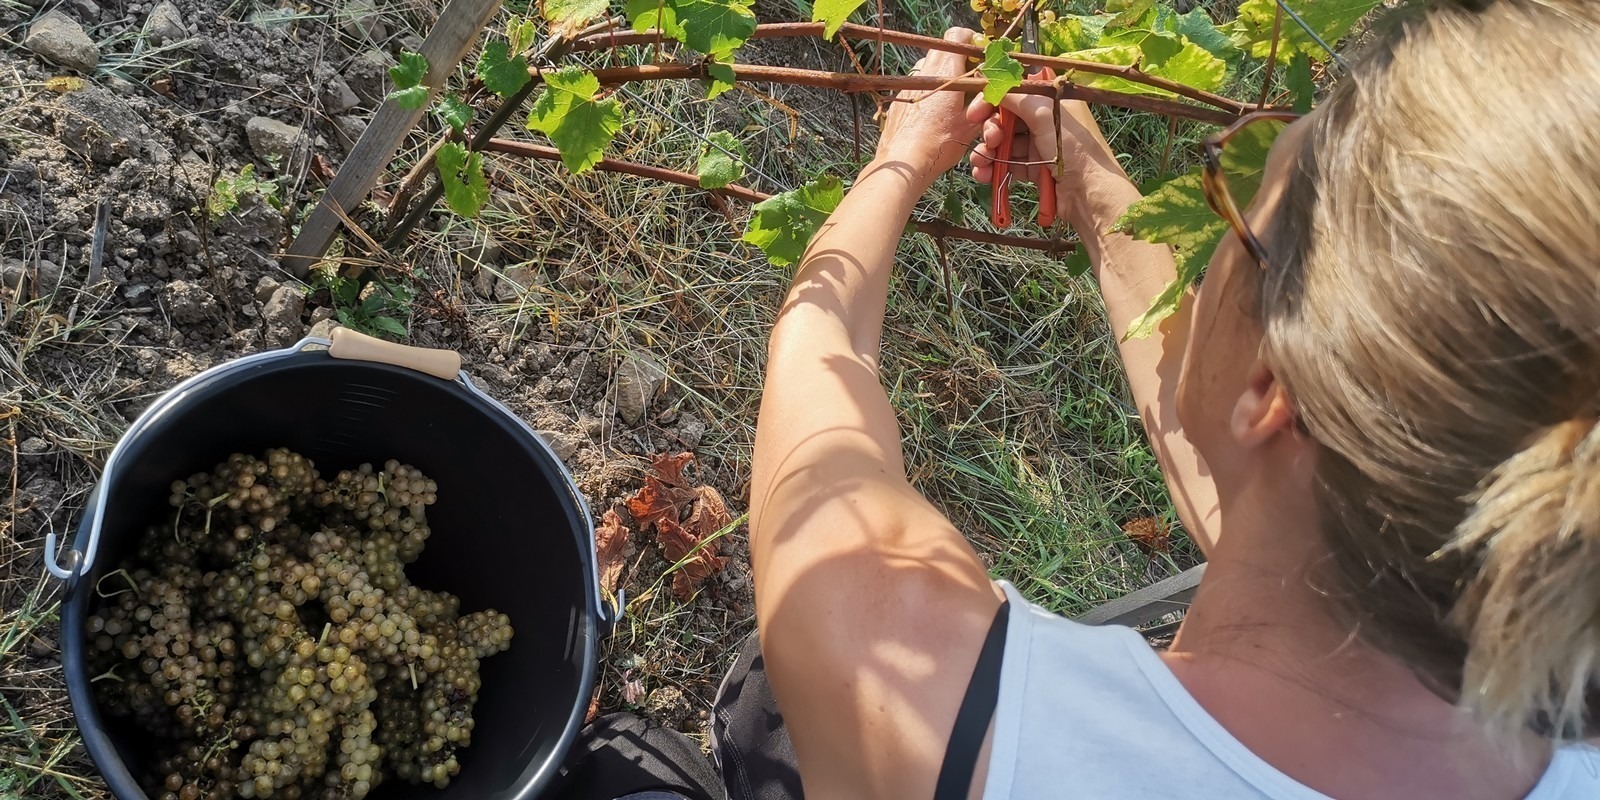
[461, 173]
[1003, 71]
[578, 124]
[834, 13]
[784, 224]
[1331, 19]
[567, 17]
[721, 161]
[1302, 87]
[721, 78]
[454, 112]
[501, 72]
[645, 15]
[1177, 214]
[1197, 27]
[715, 27]
[409, 90]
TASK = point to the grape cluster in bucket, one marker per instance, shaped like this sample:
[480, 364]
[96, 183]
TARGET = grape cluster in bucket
[266, 637]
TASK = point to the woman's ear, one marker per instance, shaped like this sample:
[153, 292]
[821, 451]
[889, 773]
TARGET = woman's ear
[1263, 410]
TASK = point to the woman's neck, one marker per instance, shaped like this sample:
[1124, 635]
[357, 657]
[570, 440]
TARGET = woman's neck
[1263, 653]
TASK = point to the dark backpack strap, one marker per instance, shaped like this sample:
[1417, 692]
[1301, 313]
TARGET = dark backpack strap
[972, 720]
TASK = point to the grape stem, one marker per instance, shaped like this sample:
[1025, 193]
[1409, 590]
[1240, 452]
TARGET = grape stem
[132, 587]
[938, 229]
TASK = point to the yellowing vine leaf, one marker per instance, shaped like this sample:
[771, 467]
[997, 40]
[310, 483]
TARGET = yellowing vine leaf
[1177, 214]
[1129, 12]
[1331, 19]
[784, 224]
[1070, 33]
[461, 173]
[1159, 53]
[834, 13]
[567, 17]
[721, 78]
[1003, 71]
[579, 125]
[721, 161]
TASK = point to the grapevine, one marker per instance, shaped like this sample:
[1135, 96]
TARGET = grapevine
[1134, 54]
[268, 640]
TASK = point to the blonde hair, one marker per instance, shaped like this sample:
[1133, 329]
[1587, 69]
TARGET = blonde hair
[1433, 306]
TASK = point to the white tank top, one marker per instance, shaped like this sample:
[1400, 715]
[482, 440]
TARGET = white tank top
[1093, 712]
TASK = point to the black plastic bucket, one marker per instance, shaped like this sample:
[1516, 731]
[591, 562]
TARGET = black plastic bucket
[511, 531]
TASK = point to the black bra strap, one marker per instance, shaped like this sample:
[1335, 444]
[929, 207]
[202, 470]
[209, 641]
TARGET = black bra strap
[972, 721]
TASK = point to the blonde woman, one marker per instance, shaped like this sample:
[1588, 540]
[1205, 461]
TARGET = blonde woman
[1377, 416]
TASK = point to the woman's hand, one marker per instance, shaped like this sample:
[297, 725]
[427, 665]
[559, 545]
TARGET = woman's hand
[1085, 164]
[928, 133]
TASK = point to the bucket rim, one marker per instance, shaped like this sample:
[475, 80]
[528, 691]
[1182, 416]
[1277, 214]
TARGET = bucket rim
[80, 556]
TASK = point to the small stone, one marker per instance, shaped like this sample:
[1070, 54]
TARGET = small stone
[639, 379]
[368, 75]
[56, 37]
[12, 273]
[33, 446]
[338, 97]
[363, 22]
[411, 42]
[87, 10]
[663, 702]
[321, 313]
[273, 142]
[165, 24]
[513, 283]
[266, 288]
[281, 314]
[348, 131]
[322, 328]
[691, 430]
[564, 445]
[96, 123]
[188, 302]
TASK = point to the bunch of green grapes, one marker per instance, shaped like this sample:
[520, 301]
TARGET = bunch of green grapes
[997, 17]
[268, 640]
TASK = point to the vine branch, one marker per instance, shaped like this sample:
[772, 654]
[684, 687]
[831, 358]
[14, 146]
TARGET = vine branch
[851, 82]
[935, 228]
[778, 30]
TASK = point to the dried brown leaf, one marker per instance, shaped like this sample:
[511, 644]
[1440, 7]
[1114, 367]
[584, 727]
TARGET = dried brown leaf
[656, 501]
[613, 544]
[669, 468]
[677, 543]
[1148, 534]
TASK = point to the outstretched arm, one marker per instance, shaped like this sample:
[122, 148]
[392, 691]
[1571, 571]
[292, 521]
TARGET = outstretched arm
[1093, 192]
[871, 605]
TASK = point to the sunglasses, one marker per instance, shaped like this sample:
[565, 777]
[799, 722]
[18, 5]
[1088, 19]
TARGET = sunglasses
[1223, 199]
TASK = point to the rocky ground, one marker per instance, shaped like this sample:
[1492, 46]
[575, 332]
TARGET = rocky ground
[620, 320]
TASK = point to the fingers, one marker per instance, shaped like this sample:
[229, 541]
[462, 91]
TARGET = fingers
[1038, 113]
[960, 35]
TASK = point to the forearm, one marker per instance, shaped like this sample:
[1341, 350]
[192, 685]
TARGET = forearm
[822, 384]
[1131, 274]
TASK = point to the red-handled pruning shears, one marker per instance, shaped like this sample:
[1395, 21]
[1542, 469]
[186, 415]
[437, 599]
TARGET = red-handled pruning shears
[1000, 183]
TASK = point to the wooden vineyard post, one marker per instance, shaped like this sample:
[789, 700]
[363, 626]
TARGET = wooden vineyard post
[459, 25]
